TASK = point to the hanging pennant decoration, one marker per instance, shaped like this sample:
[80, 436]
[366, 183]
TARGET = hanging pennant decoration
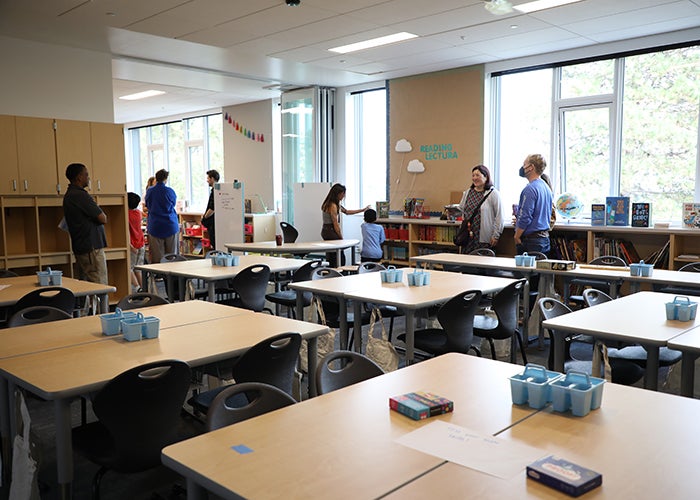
[246, 132]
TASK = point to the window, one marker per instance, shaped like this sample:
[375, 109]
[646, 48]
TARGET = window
[187, 149]
[625, 126]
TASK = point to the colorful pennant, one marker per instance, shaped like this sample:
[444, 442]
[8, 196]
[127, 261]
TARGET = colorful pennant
[243, 130]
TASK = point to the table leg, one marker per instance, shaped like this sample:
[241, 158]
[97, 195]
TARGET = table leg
[195, 491]
[64, 446]
[104, 303]
[300, 306]
[312, 352]
[526, 311]
[410, 334]
[170, 282]
[343, 320]
[211, 297]
[542, 287]
[688, 374]
[357, 326]
[353, 257]
[559, 345]
[181, 288]
[651, 376]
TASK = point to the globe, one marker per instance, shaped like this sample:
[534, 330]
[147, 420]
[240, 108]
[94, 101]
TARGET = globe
[568, 205]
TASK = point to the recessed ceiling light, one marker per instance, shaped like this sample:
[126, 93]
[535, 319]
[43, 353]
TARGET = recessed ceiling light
[541, 5]
[514, 26]
[142, 95]
[375, 42]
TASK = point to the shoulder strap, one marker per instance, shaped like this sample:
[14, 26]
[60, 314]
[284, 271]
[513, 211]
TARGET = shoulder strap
[471, 217]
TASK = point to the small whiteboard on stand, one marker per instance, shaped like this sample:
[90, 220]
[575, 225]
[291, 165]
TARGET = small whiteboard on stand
[229, 210]
[308, 197]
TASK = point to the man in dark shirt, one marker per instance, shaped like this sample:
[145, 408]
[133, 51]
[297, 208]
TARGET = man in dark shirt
[85, 220]
[208, 217]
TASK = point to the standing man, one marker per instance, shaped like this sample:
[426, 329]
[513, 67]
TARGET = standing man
[85, 220]
[532, 223]
[208, 217]
[163, 226]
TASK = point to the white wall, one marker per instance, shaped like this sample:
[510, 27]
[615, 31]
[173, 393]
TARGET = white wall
[52, 81]
[247, 160]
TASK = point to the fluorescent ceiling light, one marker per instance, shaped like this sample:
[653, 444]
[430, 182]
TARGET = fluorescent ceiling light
[142, 95]
[541, 5]
[375, 42]
[499, 7]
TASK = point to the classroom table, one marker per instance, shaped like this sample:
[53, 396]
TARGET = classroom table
[638, 318]
[12, 289]
[60, 375]
[202, 269]
[644, 444]
[342, 444]
[689, 344]
[300, 248]
[484, 262]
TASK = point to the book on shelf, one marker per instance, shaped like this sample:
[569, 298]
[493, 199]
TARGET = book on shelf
[598, 214]
[641, 214]
[420, 405]
[691, 215]
[617, 211]
[659, 258]
[382, 209]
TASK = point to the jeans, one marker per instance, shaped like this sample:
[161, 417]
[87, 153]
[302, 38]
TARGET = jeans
[533, 245]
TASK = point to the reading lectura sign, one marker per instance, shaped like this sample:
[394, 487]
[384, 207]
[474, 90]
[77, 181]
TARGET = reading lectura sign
[439, 152]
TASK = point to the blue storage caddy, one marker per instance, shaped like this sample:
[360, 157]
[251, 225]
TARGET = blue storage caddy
[391, 275]
[641, 269]
[533, 386]
[112, 322]
[418, 278]
[525, 260]
[151, 327]
[132, 328]
[577, 392]
[49, 277]
[681, 309]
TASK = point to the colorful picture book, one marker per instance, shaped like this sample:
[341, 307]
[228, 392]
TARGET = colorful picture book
[641, 214]
[382, 209]
[617, 211]
[691, 215]
[598, 214]
[420, 405]
[565, 476]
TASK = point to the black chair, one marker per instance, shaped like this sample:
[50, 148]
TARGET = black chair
[5, 312]
[456, 316]
[289, 232]
[4, 273]
[484, 252]
[173, 291]
[140, 299]
[505, 324]
[249, 287]
[692, 267]
[622, 372]
[257, 399]
[37, 314]
[138, 413]
[593, 297]
[288, 298]
[272, 361]
[387, 311]
[52, 296]
[343, 368]
[331, 306]
[598, 284]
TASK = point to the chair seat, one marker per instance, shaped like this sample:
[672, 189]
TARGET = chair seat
[289, 298]
[622, 371]
[432, 340]
[483, 323]
[638, 355]
[202, 401]
[590, 282]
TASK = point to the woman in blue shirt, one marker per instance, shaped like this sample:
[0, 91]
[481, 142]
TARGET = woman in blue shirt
[535, 209]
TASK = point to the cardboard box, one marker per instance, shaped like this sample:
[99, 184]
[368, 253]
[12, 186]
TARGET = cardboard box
[564, 476]
[556, 265]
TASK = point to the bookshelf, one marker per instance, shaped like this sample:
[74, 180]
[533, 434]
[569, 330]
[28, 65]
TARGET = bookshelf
[194, 243]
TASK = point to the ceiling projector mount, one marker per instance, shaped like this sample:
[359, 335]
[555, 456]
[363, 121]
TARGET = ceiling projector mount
[499, 7]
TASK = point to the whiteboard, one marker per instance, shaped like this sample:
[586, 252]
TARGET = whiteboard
[229, 210]
[308, 197]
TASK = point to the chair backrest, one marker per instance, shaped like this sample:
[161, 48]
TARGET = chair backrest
[271, 361]
[172, 257]
[456, 316]
[505, 305]
[289, 232]
[261, 398]
[538, 255]
[693, 267]
[485, 252]
[593, 297]
[325, 272]
[52, 296]
[251, 284]
[304, 272]
[141, 407]
[608, 260]
[551, 308]
[37, 314]
[343, 368]
[140, 299]
[331, 307]
[4, 273]
[369, 267]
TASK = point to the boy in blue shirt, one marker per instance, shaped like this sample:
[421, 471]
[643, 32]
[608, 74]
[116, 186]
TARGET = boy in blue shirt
[372, 238]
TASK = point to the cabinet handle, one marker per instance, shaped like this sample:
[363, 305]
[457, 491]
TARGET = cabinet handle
[14, 184]
[26, 185]
[99, 185]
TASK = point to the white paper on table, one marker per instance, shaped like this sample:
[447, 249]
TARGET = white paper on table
[488, 454]
[2, 287]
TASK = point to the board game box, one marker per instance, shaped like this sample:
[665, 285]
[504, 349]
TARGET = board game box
[564, 476]
[420, 405]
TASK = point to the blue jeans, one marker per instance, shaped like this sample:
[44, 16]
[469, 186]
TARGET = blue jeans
[533, 245]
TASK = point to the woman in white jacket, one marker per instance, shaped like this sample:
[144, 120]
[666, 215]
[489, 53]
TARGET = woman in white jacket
[484, 202]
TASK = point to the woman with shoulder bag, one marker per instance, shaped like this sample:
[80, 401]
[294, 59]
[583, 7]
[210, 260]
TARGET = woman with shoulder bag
[482, 212]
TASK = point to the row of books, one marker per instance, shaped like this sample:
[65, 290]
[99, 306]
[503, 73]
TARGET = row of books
[395, 253]
[441, 234]
[611, 246]
[659, 258]
[568, 249]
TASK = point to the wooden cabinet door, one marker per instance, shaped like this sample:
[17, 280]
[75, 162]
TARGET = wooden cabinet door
[72, 146]
[36, 155]
[9, 171]
[108, 160]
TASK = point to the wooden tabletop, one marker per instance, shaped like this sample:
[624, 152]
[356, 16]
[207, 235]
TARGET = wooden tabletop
[203, 268]
[21, 285]
[34, 338]
[343, 444]
[643, 443]
[296, 247]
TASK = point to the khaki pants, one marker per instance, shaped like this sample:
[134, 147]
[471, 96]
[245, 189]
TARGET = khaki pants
[93, 266]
